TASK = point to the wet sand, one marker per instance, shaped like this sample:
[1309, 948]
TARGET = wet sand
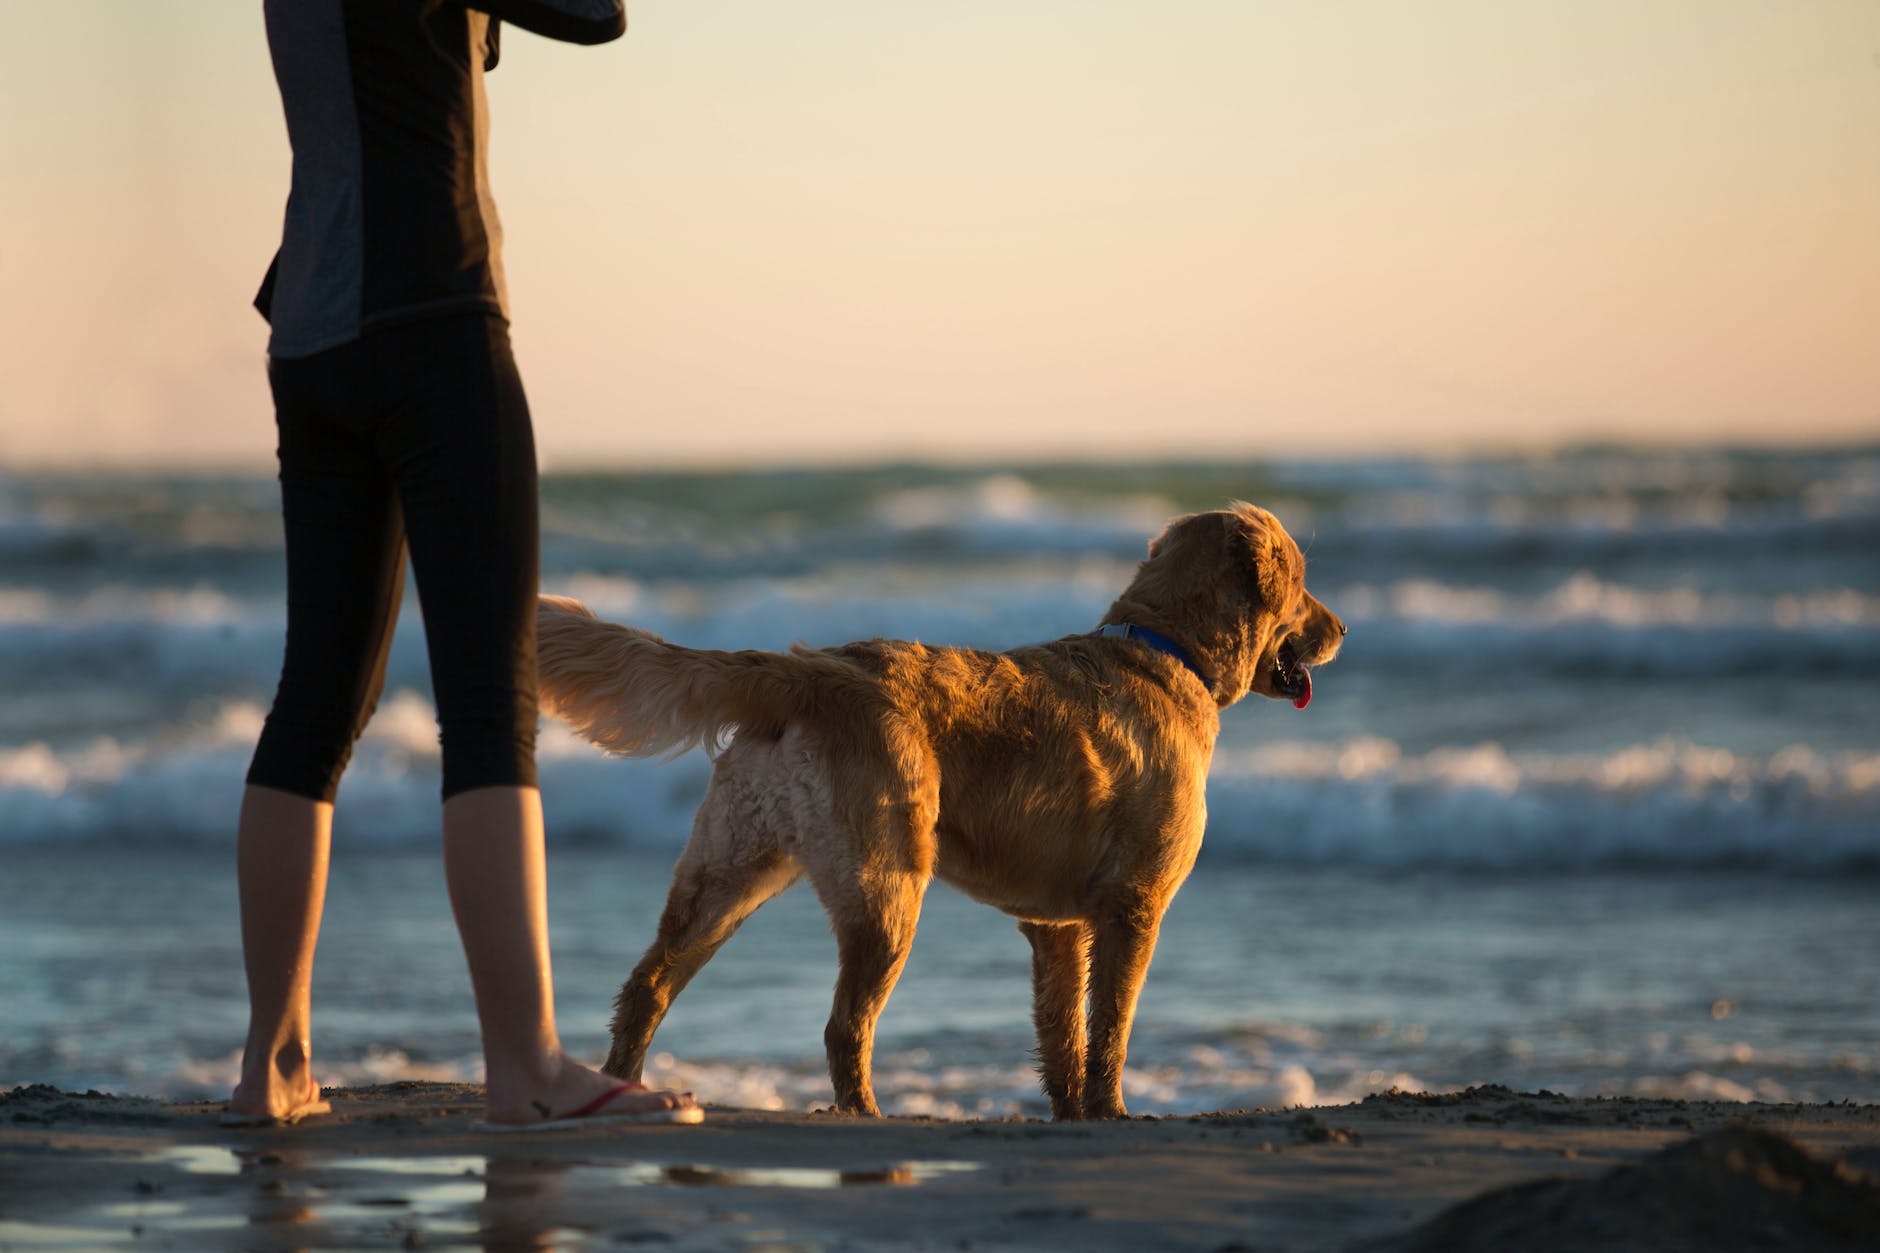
[399, 1166]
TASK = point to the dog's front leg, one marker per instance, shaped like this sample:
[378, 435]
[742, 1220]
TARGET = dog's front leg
[1060, 961]
[1124, 941]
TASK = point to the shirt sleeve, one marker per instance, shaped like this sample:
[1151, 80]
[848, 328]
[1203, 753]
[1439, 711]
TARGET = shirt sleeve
[572, 21]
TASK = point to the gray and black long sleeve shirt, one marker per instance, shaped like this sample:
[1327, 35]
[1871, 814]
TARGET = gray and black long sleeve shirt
[389, 216]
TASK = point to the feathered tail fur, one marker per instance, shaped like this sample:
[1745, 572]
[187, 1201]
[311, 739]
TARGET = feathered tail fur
[632, 693]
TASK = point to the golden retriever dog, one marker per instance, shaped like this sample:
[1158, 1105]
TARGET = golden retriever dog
[1062, 783]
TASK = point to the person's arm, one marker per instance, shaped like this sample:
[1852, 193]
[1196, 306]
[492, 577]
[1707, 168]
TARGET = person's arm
[572, 21]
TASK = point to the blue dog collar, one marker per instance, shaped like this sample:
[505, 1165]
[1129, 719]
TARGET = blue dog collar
[1155, 640]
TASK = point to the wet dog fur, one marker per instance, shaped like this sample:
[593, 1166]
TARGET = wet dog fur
[1062, 783]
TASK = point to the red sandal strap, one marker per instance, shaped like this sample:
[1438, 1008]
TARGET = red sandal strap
[603, 1099]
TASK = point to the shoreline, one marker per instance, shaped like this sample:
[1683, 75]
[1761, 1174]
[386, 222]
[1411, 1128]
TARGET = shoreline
[397, 1165]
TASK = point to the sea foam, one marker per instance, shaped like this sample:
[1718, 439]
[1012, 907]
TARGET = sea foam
[1359, 802]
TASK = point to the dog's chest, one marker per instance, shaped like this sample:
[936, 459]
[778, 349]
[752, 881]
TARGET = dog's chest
[1030, 901]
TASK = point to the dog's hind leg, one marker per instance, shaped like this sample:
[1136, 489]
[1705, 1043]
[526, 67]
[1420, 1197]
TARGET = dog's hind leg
[718, 884]
[871, 885]
[1060, 963]
[874, 922]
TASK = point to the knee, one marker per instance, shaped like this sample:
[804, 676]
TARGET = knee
[304, 748]
[489, 744]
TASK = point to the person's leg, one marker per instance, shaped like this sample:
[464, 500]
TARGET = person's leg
[281, 859]
[345, 572]
[493, 862]
[464, 457]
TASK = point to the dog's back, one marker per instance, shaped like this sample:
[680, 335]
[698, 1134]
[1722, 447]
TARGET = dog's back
[1046, 764]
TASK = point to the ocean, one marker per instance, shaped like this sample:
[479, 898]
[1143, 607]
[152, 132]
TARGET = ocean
[1590, 801]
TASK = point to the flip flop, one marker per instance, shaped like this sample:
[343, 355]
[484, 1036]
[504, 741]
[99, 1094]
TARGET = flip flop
[305, 1110]
[587, 1116]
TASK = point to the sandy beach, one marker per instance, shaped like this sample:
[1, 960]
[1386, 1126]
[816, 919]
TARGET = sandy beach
[399, 1166]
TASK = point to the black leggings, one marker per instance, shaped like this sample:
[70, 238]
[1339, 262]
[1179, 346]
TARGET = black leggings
[415, 433]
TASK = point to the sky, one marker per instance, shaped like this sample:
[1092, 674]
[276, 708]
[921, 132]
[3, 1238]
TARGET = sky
[849, 230]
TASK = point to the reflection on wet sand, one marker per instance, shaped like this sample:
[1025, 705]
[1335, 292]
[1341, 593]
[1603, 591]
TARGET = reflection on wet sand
[489, 1201]
[280, 1198]
[519, 1195]
[897, 1174]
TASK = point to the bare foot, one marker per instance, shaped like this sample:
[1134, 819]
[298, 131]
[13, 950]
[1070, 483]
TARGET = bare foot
[285, 1092]
[574, 1090]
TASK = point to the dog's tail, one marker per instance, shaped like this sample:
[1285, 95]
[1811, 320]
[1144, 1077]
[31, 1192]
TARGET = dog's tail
[631, 692]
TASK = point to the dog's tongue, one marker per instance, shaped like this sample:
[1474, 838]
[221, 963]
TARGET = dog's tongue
[1305, 689]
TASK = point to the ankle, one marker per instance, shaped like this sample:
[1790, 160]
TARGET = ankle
[519, 1077]
[276, 1077]
[293, 1058]
[271, 1061]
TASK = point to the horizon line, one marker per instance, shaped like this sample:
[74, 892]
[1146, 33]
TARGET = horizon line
[563, 465]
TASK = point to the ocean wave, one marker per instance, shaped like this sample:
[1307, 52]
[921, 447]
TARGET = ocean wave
[1590, 627]
[1585, 598]
[1671, 803]
[1518, 514]
[207, 642]
[1364, 802]
[1435, 514]
[1006, 512]
[913, 1082]
[1236, 1068]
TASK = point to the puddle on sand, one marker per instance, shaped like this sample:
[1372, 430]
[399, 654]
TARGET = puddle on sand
[426, 1213]
[437, 1197]
[138, 1211]
[430, 1198]
[776, 1240]
[416, 1165]
[642, 1174]
[445, 1187]
[441, 1186]
[169, 1216]
[897, 1174]
[203, 1159]
[59, 1235]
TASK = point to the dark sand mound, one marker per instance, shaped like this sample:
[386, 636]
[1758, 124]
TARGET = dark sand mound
[1734, 1189]
[43, 1105]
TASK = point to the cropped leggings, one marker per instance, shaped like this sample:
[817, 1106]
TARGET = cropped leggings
[414, 436]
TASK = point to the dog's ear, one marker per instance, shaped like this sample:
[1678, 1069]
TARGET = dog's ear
[1265, 553]
[1157, 544]
[1274, 573]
